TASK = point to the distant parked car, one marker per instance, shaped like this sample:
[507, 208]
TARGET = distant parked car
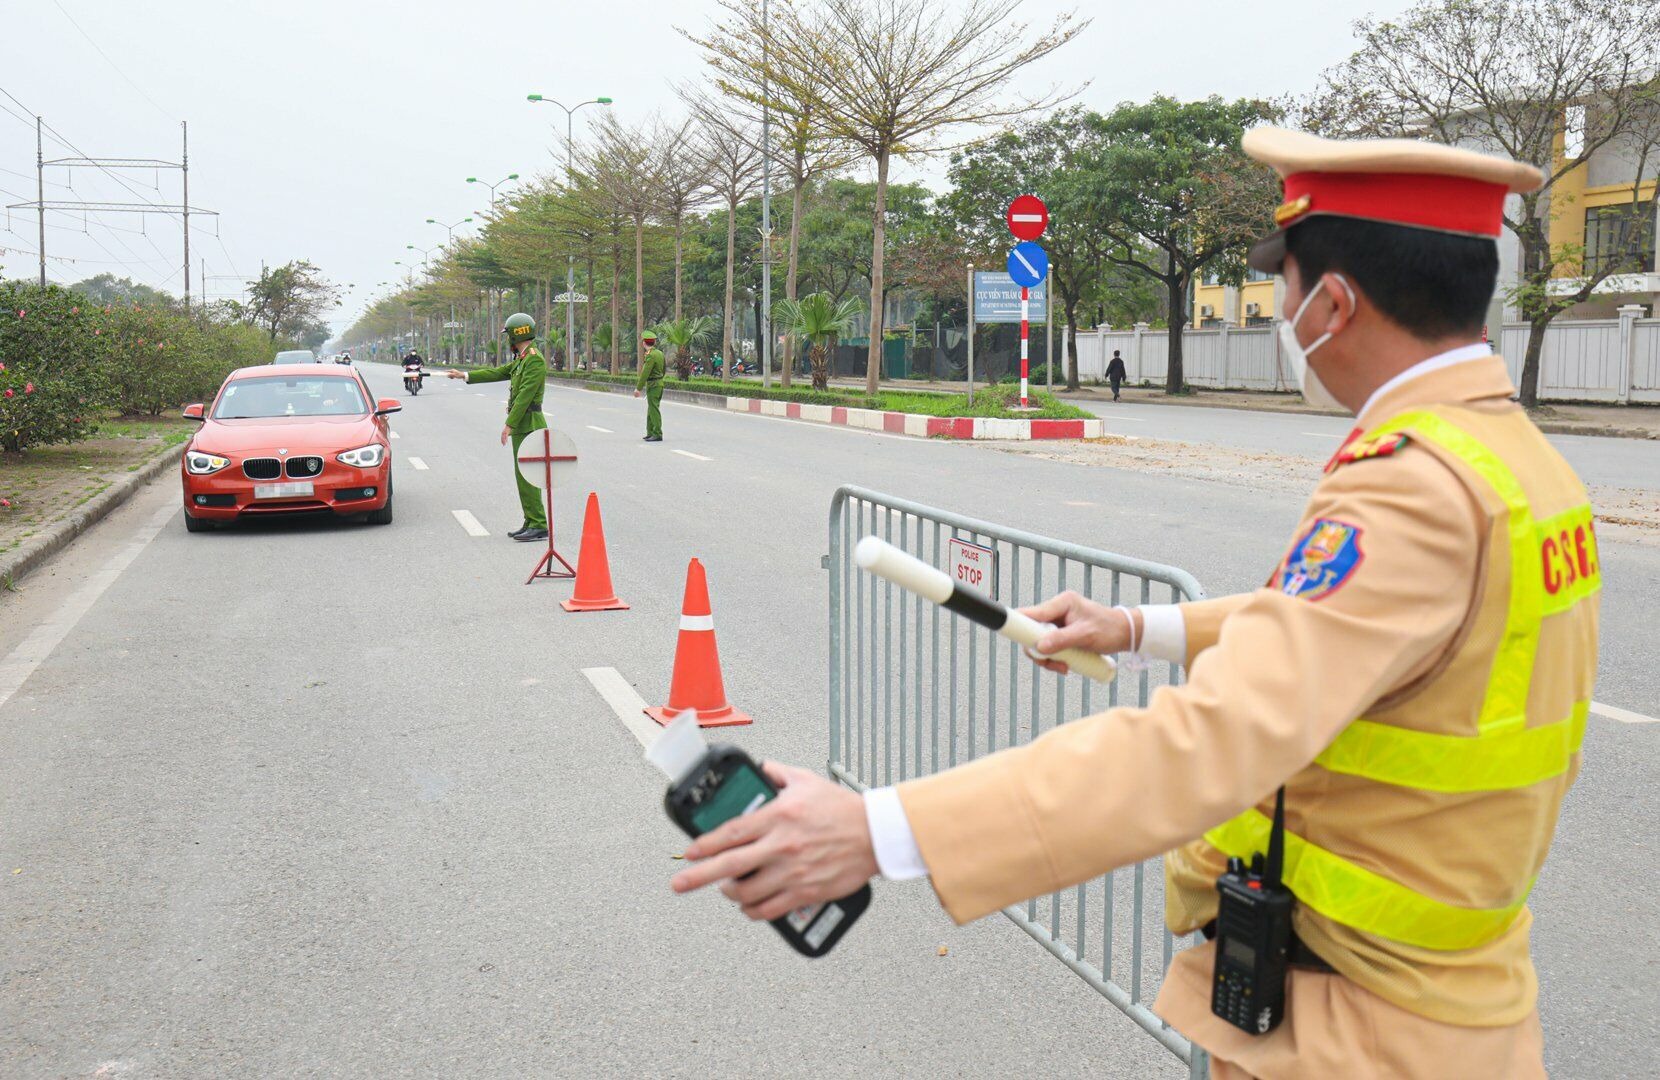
[296, 356]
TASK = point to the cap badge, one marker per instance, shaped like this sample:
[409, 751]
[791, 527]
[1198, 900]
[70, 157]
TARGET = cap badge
[1293, 210]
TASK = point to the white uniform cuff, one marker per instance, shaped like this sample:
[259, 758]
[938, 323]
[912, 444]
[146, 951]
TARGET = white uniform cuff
[1164, 633]
[897, 855]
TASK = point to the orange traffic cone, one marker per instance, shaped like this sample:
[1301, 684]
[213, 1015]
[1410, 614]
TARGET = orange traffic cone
[696, 683]
[593, 591]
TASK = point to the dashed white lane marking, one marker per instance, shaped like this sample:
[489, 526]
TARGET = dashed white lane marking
[1321, 434]
[470, 523]
[22, 661]
[624, 701]
[1624, 716]
[395, 435]
[417, 464]
[596, 427]
[688, 453]
[1080, 504]
[1121, 416]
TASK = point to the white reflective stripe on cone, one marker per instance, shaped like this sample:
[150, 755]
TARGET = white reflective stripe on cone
[697, 622]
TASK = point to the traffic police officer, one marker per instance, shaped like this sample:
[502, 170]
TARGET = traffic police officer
[1416, 672]
[652, 370]
[527, 375]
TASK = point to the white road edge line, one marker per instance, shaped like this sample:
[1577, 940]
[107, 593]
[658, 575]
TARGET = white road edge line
[1624, 716]
[33, 650]
[688, 453]
[1320, 434]
[1121, 416]
[470, 523]
[628, 705]
[596, 427]
[417, 464]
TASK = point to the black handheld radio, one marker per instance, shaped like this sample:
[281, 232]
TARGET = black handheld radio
[1253, 937]
[725, 783]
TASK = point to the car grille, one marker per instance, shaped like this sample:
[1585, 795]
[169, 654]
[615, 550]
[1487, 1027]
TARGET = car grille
[262, 468]
[302, 468]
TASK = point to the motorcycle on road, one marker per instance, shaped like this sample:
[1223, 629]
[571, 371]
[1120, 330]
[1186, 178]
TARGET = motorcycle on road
[412, 376]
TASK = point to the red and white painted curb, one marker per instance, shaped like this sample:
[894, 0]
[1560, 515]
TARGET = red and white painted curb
[948, 427]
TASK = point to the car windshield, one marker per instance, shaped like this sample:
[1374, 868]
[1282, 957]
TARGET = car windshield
[290, 395]
[296, 356]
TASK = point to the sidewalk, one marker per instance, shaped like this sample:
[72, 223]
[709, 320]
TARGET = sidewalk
[1610, 421]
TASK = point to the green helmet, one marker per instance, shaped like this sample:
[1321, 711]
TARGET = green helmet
[649, 337]
[519, 328]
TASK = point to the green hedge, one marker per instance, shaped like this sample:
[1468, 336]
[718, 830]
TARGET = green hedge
[66, 360]
[993, 402]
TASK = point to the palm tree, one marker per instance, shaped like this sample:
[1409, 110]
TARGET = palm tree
[684, 334]
[818, 318]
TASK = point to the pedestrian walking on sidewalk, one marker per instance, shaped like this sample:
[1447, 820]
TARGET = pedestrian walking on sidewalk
[527, 375]
[652, 369]
[1115, 373]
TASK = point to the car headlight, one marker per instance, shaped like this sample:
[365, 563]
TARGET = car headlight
[201, 464]
[364, 457]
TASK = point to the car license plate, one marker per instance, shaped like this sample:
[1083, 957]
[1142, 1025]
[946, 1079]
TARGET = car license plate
[299, 489]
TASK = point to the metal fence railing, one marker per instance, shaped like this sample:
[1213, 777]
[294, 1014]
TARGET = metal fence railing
[915, 689]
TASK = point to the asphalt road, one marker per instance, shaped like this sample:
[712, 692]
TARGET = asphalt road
[331, 799]
[1629, 463]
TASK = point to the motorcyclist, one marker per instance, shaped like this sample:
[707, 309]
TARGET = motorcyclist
[412, 366]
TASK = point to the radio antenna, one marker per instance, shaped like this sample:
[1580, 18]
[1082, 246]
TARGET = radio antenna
[1276, 844]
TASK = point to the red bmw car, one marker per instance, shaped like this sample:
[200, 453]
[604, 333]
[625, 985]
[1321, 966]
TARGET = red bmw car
[289, 439]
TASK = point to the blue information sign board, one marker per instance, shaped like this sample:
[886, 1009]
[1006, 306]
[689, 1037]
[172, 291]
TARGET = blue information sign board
[997, 298]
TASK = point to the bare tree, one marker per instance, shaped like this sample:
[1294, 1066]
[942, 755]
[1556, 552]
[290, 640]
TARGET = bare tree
[1547, 82]
[896, 77]
[732, 161]
[682, 188]
[626, 166]
[736, 47]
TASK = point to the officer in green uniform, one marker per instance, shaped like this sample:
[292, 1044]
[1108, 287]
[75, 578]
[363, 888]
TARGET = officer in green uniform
[527, 375]
[652, 370]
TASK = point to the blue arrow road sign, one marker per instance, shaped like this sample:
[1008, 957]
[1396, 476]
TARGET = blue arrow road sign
[1028, 264]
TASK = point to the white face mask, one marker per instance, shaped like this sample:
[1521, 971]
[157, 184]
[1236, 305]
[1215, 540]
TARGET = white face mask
[1308, 380]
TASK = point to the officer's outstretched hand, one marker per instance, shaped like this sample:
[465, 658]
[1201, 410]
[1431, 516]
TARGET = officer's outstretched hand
[810, 845]
[454, 374]
[1080, 623]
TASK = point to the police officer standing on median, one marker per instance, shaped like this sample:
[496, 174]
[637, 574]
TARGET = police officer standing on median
[652, 369]
[527, 375]
[1416, 673]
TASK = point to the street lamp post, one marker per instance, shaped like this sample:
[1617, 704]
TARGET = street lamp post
[449, 243]
[492, 187]
[570, 258]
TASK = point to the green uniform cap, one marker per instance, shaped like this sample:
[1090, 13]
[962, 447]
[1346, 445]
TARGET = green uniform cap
[519, 327]
[649, 338]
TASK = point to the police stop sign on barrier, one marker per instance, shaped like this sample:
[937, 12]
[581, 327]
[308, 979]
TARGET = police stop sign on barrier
[1027, 217]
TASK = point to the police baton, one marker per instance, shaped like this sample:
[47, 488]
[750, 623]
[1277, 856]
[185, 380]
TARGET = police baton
[912, 574]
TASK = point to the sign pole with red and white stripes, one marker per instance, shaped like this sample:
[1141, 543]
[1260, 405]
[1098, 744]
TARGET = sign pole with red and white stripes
[1025, 333]
[1026, 218]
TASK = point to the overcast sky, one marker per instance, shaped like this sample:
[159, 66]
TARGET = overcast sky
[332, 129]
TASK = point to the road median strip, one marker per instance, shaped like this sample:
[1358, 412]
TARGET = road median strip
[919, 425]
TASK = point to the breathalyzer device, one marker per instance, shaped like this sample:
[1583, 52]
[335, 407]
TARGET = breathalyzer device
[1253, 937]
[710, 785]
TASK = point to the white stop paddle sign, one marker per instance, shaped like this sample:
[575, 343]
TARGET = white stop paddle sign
[547, 454]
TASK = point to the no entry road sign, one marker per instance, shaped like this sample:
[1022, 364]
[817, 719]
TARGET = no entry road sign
[1028, 264]
[1027, 217]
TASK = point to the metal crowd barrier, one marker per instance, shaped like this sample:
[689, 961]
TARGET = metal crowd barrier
[915, 689]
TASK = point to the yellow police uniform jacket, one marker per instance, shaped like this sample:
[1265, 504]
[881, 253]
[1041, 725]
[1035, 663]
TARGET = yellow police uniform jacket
[1417, 673]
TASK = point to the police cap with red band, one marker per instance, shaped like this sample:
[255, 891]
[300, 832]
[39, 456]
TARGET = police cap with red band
[1417, 185]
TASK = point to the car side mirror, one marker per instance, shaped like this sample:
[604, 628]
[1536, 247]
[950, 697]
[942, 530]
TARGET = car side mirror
[194, 412]
[388, 405]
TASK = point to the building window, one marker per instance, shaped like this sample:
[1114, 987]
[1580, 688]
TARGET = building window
[1614, 234]
[1257, 275]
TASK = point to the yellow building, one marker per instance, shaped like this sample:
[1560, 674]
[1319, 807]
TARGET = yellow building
[1254, 303]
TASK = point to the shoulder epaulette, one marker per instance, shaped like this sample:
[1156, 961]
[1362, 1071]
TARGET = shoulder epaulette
[1363, 449]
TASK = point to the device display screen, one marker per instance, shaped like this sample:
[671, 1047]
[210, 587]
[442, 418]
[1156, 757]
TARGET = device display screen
[739, 793]
[1239, 952]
